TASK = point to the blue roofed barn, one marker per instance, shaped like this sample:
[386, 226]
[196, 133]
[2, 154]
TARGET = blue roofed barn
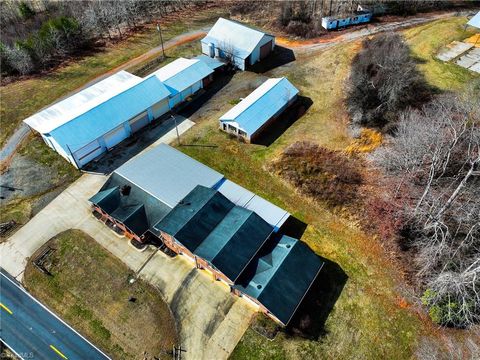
[83, 126]
[183, 78]
[245, 46]
[260, 108]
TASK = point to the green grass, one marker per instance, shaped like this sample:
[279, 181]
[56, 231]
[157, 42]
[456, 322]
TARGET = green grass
[25, 97]
[425, 42]
[373, 318]
[89, 289]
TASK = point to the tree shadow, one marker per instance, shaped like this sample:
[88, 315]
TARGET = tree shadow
[278, 57]
[278, 126]
[312, 314]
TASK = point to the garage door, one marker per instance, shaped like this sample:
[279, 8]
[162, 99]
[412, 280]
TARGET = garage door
[265, 50]
[113, 137]
[160, 108]
[138, 122]
[88, 153]
[175, 100]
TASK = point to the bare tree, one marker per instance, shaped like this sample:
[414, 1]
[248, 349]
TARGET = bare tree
[435, 157]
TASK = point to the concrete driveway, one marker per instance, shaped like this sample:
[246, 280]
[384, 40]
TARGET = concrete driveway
[211, 321]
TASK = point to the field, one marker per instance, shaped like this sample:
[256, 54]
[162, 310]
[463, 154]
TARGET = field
[376, 315]
[89, 288]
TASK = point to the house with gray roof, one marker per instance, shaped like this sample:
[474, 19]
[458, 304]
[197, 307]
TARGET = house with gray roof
[234, 41]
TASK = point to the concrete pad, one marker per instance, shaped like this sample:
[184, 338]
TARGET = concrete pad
[470, 59]
[475, 67]
[453, 50]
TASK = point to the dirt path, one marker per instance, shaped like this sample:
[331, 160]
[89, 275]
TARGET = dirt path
[21, 132]
[302, 47]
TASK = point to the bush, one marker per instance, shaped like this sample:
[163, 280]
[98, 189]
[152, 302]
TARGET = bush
[323, 174]
[383, 80]
[25, 10]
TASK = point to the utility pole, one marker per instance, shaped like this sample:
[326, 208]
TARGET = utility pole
[176, 128]
[159, 29]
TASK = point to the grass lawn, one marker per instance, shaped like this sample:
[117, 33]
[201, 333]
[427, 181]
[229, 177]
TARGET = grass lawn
[375, 316]
[23, 98]
[89, 288]
[425, 42]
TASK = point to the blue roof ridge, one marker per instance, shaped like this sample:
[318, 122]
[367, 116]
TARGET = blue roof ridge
[253, 103]
[113, 97]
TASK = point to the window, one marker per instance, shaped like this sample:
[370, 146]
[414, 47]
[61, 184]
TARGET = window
[224, 126]
[232, 128]
[242, 133]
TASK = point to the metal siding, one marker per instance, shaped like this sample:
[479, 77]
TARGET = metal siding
[475, 21]
[243, 38]
[138, 122]
[261, 105]
[115, 136]
[160, 108]
[117, 110]
[88, 153]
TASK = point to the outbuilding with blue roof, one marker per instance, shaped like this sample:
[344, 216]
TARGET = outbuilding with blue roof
[83, 126]
[260, 108]
[241, 44]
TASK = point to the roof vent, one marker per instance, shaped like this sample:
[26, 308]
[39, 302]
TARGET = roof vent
[259, 287]
[125, 190]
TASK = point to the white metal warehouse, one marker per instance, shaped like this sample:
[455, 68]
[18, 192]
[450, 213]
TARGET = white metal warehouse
[183, 78]
[230, 39]
[254, 113]
[83, 126]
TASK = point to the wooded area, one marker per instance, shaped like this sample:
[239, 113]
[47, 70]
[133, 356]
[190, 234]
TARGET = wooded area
[39, 34]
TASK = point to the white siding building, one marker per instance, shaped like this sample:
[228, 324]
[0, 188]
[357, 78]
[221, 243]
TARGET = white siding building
[83, 126]
[259, 108]
[183, 78]
[230, 39]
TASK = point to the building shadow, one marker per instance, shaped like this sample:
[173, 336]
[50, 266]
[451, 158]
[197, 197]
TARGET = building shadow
[273, 131]
[312, 314]
[293, 227]
[221, 79]
[278, 57]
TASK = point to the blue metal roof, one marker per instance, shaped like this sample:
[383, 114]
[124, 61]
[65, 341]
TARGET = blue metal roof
[264, 102]
[106, 116]
[210, 62]
[230, 33]
[182, 73]
[475, 21]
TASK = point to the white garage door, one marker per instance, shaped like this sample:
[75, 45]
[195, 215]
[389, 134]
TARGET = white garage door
[160, 108]
[113, 137]
[138, 122]
[88, 153]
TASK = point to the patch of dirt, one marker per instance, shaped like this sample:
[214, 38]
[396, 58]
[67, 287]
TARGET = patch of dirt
[26, 178]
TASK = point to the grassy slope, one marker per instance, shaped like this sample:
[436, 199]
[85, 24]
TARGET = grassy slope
[23, 98]
[370, 319]
[89, 289]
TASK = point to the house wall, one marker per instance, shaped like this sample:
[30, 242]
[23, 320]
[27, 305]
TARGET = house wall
[255, 56]
[106, 217]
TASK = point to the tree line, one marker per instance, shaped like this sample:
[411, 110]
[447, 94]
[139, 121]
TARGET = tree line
[39, 34]
[432, 163]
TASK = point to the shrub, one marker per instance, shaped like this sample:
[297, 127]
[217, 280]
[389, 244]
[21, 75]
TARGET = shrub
[382, 81]
[323, 174]
[25, 10]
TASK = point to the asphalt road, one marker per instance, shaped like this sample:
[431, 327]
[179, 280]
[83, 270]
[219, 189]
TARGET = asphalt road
[33, 332]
